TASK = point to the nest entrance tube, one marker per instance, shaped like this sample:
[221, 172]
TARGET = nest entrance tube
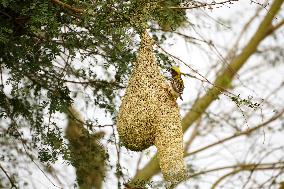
[148, 114]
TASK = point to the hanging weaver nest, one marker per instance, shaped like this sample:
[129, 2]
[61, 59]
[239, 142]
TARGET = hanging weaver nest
[150, 116]
[88, 156]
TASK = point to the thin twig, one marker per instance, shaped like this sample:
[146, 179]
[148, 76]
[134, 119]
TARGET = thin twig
[195, 5]
[246, 132]
[193, 135]
[254, 167]
[118, 167]
[11, 180]
[195, 71]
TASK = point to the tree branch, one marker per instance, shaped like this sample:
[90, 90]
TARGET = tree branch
[242, 166]
[226, 76]
[246, 132]
[194, 5]
[223, 80]
[249, 167]
[275, 27]
[69, 7]
[11, 180]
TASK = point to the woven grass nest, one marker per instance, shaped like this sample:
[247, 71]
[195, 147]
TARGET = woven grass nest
[150, 116]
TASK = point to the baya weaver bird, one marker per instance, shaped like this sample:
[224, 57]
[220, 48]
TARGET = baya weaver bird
[176, 82]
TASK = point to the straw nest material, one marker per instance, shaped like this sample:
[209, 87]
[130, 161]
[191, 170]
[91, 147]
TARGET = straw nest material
[149, 114]
[88, 155]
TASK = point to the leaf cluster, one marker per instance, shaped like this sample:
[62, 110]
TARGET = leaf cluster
[49, 53]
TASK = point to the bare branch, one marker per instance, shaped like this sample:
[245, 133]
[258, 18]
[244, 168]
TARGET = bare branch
[195, 4]
[275, 27]
[246, 132]
[223, 80]
[12, 182]
[249, 167]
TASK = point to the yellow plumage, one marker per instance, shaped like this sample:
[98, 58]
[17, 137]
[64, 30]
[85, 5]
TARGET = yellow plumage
[177, 82]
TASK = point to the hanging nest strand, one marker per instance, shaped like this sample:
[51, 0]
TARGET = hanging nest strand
[88, 155]
[150, 116]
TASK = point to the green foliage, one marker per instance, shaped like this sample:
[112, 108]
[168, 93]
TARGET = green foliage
[246, 102]
[50, 53]
[167, 17]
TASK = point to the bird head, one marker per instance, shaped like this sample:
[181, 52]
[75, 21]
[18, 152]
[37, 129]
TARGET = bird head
[175, 71]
